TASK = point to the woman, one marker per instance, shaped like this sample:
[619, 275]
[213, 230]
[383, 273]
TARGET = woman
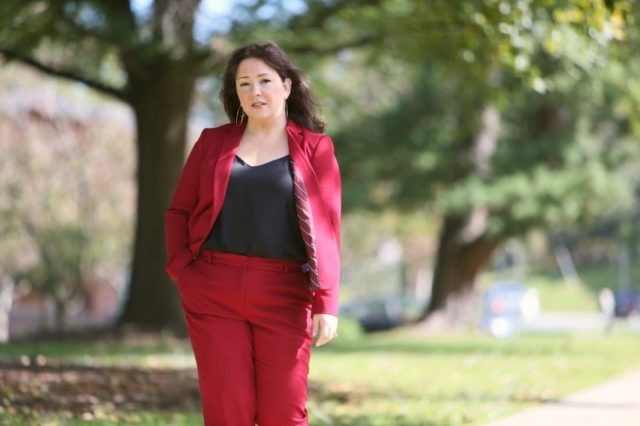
[253, 240]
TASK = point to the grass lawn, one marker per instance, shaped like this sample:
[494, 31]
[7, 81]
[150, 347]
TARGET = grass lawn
[399, 378]
[556, 296]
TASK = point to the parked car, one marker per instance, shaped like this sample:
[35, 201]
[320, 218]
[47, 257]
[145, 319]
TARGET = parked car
[627, 302]
[383, 312]
[507, 306]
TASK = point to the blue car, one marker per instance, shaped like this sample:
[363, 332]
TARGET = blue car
[627, 302]
[507, 306]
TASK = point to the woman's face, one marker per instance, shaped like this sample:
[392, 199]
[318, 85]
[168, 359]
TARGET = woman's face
[261, 91]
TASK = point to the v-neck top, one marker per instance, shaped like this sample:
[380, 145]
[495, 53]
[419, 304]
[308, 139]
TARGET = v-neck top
[258, 216]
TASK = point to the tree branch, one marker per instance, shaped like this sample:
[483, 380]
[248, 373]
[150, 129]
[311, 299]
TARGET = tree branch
[305, 49]
[320, 12]
[119, 94]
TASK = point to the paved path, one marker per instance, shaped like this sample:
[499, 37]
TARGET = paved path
[550, 322]
[613, 403]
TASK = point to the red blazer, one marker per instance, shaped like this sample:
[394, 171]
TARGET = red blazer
[202, 186]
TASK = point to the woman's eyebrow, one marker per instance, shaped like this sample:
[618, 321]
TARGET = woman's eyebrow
[259, 75]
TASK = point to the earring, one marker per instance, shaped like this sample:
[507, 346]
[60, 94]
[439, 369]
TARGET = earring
[286, 109]
[238, 122]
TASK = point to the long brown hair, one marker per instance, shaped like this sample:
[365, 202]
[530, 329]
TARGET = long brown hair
[300, 104]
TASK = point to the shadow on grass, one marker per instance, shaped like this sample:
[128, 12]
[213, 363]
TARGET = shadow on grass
[78, 389]
[325, 392]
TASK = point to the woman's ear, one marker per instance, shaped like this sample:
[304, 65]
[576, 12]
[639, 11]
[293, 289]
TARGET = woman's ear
[287, 86]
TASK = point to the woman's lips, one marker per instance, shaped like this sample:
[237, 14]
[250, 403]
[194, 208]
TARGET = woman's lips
[258, 104]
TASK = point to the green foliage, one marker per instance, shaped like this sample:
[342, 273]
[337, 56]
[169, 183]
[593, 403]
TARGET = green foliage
[60, 271]
[549, 69]
[542, 197]
[74, 36]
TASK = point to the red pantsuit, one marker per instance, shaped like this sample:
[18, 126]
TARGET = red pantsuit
[249, 318]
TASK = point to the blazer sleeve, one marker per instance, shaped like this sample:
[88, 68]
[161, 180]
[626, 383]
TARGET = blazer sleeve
[326, 167]
[183, 202]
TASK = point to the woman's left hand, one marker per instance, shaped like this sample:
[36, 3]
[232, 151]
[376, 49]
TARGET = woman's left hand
[325, 326]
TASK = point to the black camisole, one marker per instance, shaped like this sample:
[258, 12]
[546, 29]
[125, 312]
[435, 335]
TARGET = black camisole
[258, 216]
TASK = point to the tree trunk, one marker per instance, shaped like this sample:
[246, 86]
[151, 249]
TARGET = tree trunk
[59, 316]
[161, 106]
[459, 261]
[6, 302]
[464, 247]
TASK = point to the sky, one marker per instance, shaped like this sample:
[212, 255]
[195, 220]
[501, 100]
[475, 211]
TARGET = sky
[213, 7]
[212, 14]
[215, 14]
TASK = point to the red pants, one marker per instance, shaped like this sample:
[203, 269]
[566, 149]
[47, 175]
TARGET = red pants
[249, 322]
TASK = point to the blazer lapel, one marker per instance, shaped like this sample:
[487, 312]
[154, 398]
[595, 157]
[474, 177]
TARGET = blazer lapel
[304, 210]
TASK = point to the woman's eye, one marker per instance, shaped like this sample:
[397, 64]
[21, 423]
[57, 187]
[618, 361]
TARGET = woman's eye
[266, 80]
[244, 84]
